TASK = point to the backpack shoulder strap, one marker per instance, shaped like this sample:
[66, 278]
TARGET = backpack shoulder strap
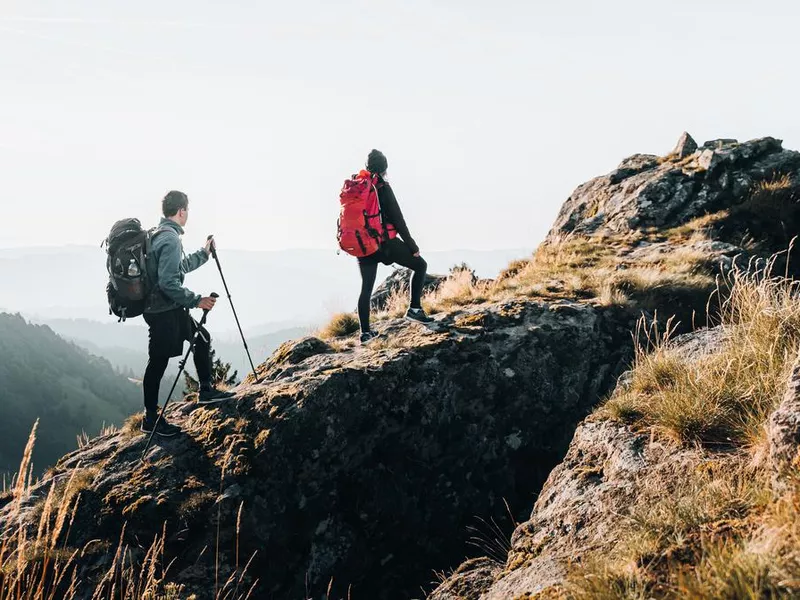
[151, 235]
[374, 184]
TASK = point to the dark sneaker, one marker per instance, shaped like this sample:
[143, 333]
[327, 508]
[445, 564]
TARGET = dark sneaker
[163, 428]
[368, 336]
[417, 315]
[213, 396]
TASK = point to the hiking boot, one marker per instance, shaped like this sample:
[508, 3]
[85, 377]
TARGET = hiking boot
[213, 395]
[417, 315]
[163, 428]
[368, 336]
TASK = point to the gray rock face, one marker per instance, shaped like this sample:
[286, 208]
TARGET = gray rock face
[648, 191]
[783, 435]
[719, 143]
[583, 504]
[685, 146]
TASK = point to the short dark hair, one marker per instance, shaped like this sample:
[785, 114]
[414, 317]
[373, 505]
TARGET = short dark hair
[173, 202]
[377, 163]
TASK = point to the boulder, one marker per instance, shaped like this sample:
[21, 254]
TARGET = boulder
[783, 435]
[647, 192]
[685, 146]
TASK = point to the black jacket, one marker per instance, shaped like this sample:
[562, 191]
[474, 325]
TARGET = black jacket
[393, 215]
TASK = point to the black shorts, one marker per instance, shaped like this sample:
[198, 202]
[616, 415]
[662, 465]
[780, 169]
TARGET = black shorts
[168, 331]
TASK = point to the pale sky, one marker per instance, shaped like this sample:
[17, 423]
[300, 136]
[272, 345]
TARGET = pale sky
[490, 113]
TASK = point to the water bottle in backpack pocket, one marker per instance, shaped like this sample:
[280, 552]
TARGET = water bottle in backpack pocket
[127, 246]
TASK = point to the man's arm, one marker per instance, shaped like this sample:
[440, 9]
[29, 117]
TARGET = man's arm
[393, 214]
[169, 272]
[195, 260]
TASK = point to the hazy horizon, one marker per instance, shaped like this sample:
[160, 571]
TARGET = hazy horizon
[299, 287]
[490, 115]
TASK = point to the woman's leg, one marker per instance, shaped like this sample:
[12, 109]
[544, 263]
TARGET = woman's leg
[399, 252]
[369, 270]
[420, 268]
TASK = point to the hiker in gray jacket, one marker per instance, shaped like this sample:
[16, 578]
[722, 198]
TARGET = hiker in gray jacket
[167, 312]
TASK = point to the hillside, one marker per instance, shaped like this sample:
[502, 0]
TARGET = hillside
[353, 472]
[70, 391]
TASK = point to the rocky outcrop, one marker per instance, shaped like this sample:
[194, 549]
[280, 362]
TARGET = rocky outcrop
[685, 146]
[364, 466]
[651, 191]
[586, 500]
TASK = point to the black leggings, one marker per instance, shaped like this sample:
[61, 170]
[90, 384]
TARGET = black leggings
[393, 251]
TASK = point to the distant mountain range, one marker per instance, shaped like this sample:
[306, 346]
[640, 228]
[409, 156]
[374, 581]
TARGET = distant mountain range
[271, 290]
[76, 375]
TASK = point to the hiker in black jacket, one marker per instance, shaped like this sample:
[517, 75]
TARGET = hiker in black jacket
[167, 312]
[402, 250]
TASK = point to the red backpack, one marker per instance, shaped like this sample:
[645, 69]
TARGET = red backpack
[361, 229]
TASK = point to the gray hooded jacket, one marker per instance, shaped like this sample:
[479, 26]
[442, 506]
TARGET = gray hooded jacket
[167, 266]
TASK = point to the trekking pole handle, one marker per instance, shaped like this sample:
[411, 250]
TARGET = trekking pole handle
[205, 312]
[213, 246]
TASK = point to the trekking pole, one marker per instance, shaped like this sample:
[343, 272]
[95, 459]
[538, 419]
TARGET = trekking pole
[181, 366]
[235, 316]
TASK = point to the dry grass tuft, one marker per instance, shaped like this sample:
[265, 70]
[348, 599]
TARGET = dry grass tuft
[513, 269]
[725, 397]
[777, 183]
[461, 288]
[340, 325]
[691, 531]
[698, 227]
[728, 569]
[388, 343]
[132, 425]
[396, 304]
[84, 438]
[601, 581]
[36, 562]
[597, 268]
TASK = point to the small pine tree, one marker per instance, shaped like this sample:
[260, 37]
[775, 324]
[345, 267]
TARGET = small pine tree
[219, 375]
